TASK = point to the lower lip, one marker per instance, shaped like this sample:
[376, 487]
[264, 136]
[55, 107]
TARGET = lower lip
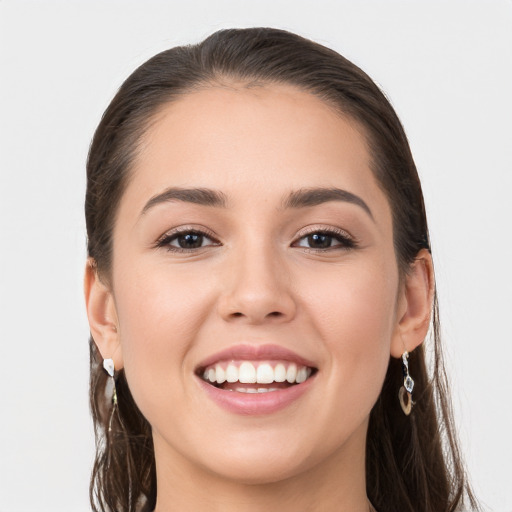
[251, 404]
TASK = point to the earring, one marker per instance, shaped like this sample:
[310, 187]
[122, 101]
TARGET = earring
[108, 365]
[406, 389]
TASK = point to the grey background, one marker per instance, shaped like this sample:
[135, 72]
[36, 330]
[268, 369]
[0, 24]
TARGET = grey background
[446, 67]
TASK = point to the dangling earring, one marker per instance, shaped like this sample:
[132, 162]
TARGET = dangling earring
[108, 365]
[406, 389]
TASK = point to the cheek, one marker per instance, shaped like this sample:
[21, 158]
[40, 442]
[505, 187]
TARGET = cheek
[356, 302]
[160, 314]
[355, 314]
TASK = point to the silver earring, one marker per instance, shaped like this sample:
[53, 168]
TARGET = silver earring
[406, 389]
[108, 365]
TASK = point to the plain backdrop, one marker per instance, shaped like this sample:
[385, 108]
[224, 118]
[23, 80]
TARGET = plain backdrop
[446, 67]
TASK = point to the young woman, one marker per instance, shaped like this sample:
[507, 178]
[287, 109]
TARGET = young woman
[259, 288]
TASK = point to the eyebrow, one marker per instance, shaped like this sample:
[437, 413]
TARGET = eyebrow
[302, 198]
[314, 196]
[202, 196]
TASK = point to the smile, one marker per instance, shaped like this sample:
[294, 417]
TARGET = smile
[255, 380]
[255, 376]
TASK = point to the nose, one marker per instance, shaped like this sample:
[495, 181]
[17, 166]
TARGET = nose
[257, 289]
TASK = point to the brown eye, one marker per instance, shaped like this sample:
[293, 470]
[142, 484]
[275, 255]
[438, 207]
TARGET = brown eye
[186, 240]
[325, 240]
[319, 241]
[189, 240]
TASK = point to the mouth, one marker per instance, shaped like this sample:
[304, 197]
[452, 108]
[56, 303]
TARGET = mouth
[243, 376]
[261, 379]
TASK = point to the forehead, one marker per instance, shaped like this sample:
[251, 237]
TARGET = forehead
[264, 140]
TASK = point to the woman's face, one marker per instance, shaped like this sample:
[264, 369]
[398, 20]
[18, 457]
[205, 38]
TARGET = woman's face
[253, 239]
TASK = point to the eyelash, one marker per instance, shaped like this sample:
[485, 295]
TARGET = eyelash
[165, 240]
[346, 242]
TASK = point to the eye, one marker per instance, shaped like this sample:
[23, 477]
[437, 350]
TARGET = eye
[324, 239]
[186, 240]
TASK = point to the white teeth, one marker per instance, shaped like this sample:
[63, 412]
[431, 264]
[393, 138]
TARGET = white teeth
[254, 390]
[264, 374]
[232, 373]
[247, 373]
[221, 374]
[291, 373]
[280, 373]
[302, 375]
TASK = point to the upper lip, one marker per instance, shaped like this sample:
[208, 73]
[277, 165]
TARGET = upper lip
[249, 352]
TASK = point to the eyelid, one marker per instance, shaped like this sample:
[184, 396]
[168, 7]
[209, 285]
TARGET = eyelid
[345, 239]
[322, 228]
[163, 240]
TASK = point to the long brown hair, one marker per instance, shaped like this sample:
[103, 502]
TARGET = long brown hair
[413, 462]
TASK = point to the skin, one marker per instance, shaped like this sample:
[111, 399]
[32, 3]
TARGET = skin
[257, 282]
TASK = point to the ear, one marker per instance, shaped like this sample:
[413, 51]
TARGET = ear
[102, 314]
[414, 305]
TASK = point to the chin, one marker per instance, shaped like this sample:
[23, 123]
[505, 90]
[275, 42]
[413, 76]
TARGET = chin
[259, 469]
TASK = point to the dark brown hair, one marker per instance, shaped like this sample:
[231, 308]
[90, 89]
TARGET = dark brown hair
[412, 462]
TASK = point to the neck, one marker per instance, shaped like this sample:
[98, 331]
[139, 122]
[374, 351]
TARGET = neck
[336, 484]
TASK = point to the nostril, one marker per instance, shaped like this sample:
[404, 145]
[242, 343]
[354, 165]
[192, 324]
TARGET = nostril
[275, 313]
